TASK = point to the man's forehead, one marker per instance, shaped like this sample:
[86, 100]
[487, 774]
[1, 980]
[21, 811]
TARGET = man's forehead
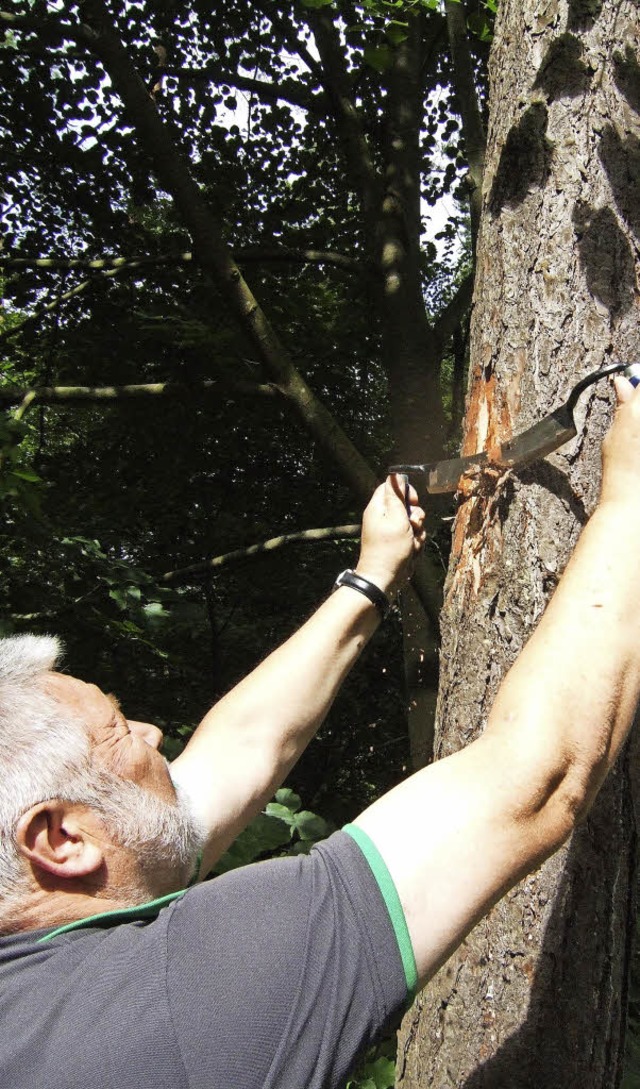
[85, 699]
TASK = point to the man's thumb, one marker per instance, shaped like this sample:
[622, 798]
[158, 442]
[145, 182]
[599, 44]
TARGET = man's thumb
[624, 389]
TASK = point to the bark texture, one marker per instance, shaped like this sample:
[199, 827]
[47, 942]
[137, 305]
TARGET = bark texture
[536, 996]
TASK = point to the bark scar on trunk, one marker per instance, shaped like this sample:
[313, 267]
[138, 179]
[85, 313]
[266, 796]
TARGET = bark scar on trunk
[489, 424]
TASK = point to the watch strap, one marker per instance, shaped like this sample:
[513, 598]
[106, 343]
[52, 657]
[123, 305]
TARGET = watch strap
[375, 595]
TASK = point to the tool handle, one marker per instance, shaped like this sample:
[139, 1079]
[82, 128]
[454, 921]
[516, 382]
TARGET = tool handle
[632, 372]
[407, 502]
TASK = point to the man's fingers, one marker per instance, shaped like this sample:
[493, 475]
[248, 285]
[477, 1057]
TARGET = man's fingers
[624, 389]
[399, 482]
[417, 519]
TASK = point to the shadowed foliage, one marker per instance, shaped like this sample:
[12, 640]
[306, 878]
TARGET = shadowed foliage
[621, 160]
[583, 13]
[605, 256]
[626, 72]
[525, 160]
[563, 73]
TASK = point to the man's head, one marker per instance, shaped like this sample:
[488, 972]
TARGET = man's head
[87, 807]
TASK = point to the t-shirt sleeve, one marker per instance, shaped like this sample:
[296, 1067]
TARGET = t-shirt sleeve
[279, 974]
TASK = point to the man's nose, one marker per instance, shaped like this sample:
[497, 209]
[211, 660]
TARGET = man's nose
[152, 735]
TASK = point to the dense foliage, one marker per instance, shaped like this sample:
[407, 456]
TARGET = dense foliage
[103, 498]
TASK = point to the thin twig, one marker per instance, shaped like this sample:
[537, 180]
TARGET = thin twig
[64, 395]
[205, 569]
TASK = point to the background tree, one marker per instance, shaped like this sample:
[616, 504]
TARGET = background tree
[326, 94]
[536, 995]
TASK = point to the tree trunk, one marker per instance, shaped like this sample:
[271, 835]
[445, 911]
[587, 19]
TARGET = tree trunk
[536, 996]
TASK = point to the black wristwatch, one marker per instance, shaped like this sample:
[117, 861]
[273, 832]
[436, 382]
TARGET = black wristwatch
[369, 589]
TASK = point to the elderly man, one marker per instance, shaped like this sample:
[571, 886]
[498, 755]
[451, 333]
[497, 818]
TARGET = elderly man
[278, 974]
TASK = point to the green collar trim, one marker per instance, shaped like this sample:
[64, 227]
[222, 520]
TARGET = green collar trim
[114, 918]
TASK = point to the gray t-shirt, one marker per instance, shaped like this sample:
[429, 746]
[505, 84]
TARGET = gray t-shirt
[274, 975]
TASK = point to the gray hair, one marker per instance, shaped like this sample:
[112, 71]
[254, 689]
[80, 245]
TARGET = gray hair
[45, 753]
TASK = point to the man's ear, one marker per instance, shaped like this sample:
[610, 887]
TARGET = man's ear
[56, 836]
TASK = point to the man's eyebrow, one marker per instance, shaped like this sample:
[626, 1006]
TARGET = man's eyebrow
[113, 700]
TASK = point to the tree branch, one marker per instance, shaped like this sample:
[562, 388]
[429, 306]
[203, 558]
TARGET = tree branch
[247, 255]
[205, 569]
[49, 28]
[65, 395]
[335, 78]
[449, 319]
[48, 308]
[98, 263]
[212, 253]
[287, 90]
[284, 27]
[466, 95]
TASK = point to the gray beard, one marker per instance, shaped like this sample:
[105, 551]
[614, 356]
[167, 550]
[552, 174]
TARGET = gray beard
[166, 837]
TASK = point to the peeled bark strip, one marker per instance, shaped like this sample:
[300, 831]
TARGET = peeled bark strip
[536, 996]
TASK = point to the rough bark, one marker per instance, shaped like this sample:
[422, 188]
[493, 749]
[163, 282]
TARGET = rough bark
[536, 995]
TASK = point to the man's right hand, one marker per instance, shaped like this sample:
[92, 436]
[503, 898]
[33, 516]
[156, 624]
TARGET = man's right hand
[621, 449]
[391, 540]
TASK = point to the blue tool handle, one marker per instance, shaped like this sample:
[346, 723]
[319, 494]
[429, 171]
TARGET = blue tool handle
[632, 372]
[405, 482]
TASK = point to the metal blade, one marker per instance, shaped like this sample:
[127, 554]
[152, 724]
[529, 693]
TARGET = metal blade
[536, 442]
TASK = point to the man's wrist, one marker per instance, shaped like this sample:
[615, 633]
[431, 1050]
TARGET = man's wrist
[384, 580]
[367, 587]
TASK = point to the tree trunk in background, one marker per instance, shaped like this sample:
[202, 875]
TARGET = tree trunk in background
[536, 996]
[411, 352]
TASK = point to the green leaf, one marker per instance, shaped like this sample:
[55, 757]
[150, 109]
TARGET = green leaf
[27, 474]
[378, 57]
[120, 597]
[286, 796]
[396, 32]
[480, 26]
[377, 1073]
[383, 1072]
[310, 826]
[154, 610]
[262, 835]
[281, 812]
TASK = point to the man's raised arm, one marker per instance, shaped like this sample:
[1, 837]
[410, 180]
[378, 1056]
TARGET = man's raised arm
[246, 745]
[459, 833]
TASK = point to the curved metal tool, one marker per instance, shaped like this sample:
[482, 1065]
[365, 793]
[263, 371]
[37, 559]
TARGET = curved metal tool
[536, 442]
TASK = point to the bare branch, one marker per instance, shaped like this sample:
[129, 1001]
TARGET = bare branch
[99, 263]
[247, 255]
[49, 28]
[286, 90]
[65, 395]
[337, 82]
[117, 265]
[207, 568]
[48, 308]
[450, 318]
[298, 257]
[26, 401]
[283, 26]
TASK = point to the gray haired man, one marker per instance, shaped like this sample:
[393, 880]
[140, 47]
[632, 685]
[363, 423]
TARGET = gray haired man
[276, 975]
